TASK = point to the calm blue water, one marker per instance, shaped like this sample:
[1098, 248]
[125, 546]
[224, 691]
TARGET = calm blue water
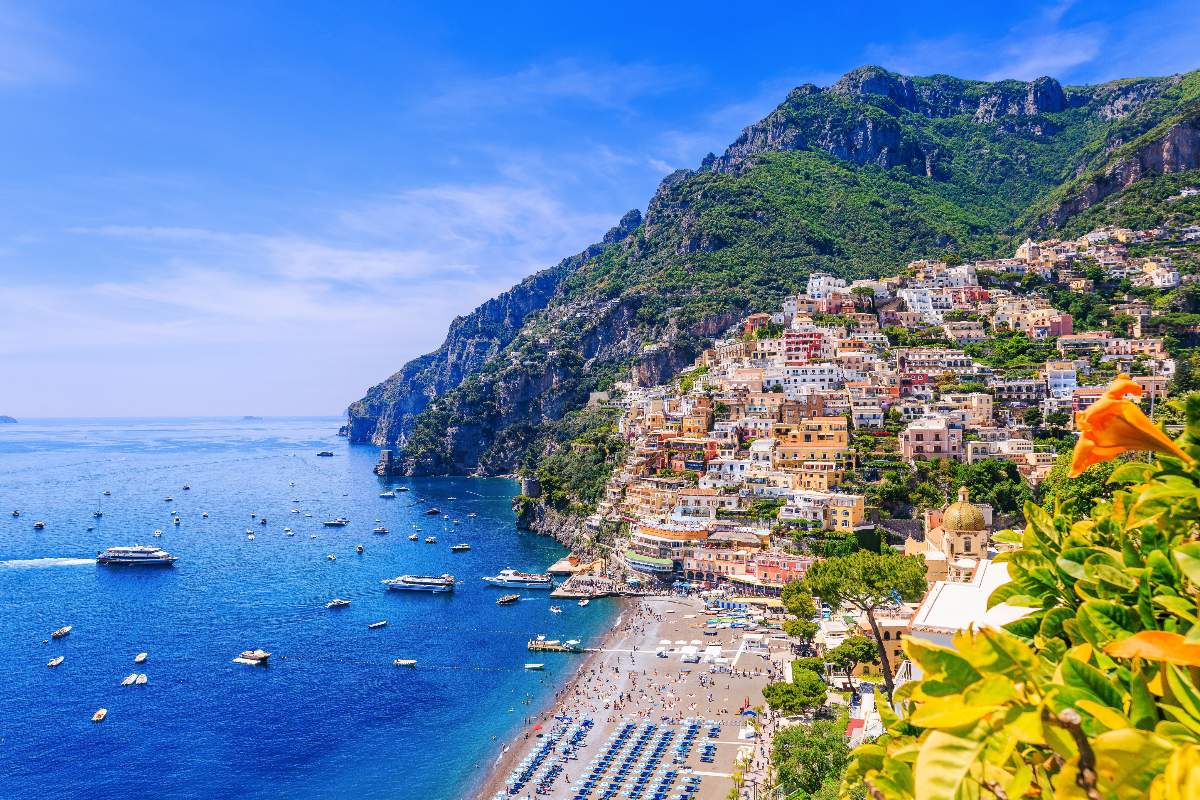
[331, 717]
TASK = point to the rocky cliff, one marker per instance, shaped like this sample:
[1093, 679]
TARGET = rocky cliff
[857, 178]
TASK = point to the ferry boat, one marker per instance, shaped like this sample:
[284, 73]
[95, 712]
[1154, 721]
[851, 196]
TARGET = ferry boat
[340, 522]
[421, 583]
[138, 554]
[520, 580]
[460, 548]
[508, 598]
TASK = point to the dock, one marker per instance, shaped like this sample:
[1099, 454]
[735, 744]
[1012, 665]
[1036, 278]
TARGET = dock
[554, 646]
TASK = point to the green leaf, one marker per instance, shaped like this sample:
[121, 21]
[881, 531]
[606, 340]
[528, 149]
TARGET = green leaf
[1102, 621]
[1079, 675]
[942, 765]
[1188, 558]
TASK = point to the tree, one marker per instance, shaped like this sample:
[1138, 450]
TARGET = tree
[805, 693]
[806, 757]
[800, 605]
[850, 653]
[867, 582]
[1076, 495]
[1032, 417]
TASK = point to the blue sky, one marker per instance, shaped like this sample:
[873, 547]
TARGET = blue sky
[264, 208]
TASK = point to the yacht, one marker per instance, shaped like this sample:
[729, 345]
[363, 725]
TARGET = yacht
[412, 537]
[460, 548]
[54, 662]
[375, 625]
[100, 714]
[433, 512]
[421, 583]
[325, 454]
[401, 489]
[508, 598]
[129, 679]
[138, 554]
[39, 524]
[389, 494]
[107, 493]
[61, 632]
[257, 656]
[140, 658]
[520, 580]
[340, 522]
[337, 602]
[404, 662]
[380, 529]
[430, 540]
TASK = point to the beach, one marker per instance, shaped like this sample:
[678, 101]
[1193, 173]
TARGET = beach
[625, 681]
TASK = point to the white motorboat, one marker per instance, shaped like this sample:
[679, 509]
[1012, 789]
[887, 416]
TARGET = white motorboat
[520, 580]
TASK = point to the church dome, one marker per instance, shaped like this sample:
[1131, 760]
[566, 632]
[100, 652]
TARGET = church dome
[962, 516]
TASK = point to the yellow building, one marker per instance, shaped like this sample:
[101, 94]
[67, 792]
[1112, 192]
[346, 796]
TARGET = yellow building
[816, 439]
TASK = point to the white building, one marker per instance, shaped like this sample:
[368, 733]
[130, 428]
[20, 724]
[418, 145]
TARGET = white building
[821, 285]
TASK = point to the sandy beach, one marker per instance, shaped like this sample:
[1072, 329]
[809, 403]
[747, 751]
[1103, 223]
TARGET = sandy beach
[626, 682]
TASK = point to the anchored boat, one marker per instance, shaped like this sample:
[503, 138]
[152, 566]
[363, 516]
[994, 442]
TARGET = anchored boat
[421, 583]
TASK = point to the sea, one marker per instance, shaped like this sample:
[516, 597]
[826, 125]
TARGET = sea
[330, 717]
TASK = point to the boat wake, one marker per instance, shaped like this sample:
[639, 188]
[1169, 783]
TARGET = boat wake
[30, 563]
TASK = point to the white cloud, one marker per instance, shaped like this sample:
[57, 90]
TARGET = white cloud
[611, 86]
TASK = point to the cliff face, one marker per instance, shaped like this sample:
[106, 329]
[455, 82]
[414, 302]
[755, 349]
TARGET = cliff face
[856, 179]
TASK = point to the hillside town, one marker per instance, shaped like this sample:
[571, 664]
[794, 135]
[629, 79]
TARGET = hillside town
[763, 454]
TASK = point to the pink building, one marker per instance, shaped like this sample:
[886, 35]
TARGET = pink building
[931, 437]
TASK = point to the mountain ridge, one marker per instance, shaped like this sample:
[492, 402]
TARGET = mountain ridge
[855, 179]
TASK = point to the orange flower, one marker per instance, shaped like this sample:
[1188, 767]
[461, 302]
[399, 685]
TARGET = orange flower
[1113, 425]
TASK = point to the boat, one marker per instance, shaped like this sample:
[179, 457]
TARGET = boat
[404, 662]
[262, 521]
[61, 632]
[413, 537]
[331, 557]
[250, 537]
[382, 623]
[433, 512]
[543, 645]
[555, 610]
[520, 580]
[100, 715]
[129, 679]
[39, 524]
[430, 540]
[380, 530]
[177, 521]
[583, 602]
[257, 657]
[388, 494]
[157, 534]
[451, 498]
[358, 548]
[140, 658]
[187, 488]
[97, 513]
[325, 454]
[288, 531]
[472, 514]
[54, 662]
[401, 489]
[337, 602]
[168, 499]
[421, 583]
[16, 513]
[535, 667]
[508, 598]
[340, 522]
[204, 515]
[106, 493]
[460, 548]
[141, 680]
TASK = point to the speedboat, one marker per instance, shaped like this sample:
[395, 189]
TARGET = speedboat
[100, 714]
[325, 454]
[204, 515]
[140, 658]
[141, 680]
[460, 548]
[157, 533]
[288, 531]
[374, 625]
[400, 489]
[177, 521]
[404, 662]
[186, 488]
[106, 493]
[129, 679]
[583, 602]
[555, 610]
[258, 656]
[16, 513]
[61, 632]
[331, 557]
[340, 522]
[54, 662]
[421, 583]
[388, 494]
[412, 537]
[430, 540]
[39, 524]
[535, 667]
[141, 555]
[433, 512]
[337, 602]
[380, 529]
[520, 580]
[358, 548]
[508, 598]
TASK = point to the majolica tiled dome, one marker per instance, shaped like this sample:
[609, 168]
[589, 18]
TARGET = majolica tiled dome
[962, 516]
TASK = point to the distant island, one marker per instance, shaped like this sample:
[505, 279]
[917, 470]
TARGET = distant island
[251, 417]
[7, 420]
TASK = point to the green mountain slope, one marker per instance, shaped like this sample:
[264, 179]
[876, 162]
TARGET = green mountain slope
[855, 179]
